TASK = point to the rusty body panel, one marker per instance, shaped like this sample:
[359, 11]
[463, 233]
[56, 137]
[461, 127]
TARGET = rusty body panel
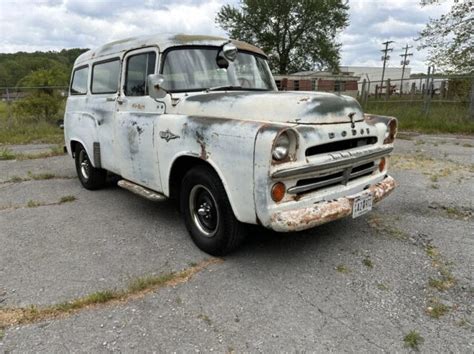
[234, 132]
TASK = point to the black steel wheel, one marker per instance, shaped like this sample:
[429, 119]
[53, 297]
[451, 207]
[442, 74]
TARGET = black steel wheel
[208, 214]
[90, 177]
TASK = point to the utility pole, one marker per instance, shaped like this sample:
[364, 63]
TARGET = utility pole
[385, 57]
[403, 63]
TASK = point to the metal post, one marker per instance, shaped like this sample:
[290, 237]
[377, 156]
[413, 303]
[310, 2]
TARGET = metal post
[385, 57]
[388, 90]
[404, 62]
[471, 105]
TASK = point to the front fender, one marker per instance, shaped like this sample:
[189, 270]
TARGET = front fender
[226, 145]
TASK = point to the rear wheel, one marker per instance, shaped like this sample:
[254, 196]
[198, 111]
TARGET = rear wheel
[207, 213]
[91, 178]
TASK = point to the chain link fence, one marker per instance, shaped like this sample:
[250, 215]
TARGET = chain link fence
[429, 97]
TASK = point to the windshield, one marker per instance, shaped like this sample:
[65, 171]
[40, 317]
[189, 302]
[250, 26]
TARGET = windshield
[196, 69]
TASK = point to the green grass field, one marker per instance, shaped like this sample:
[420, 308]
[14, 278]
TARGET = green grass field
[15, 132]
[442, 117]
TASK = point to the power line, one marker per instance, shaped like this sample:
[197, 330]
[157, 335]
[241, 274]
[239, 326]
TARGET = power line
[404, 62]
[385, 57]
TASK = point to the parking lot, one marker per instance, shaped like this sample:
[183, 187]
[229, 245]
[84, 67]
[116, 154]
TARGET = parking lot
[352, 285]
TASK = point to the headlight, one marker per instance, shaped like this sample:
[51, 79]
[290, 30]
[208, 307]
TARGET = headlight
[281, 148]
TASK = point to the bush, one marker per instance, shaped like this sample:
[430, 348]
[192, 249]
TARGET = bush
[39, 107]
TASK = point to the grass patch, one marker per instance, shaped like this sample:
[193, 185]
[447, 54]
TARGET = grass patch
[40, 176]
[383, 287]
[437, 309]
[2, 334]
[368, 262]
[382, 224]
[444, 117]
[442, 284]
[137, 288]
[341, 268]
[446, 279]
[143, 283]
[67, 199]
[33, 204]
[413, 340]
[205, 318]
[7, 154]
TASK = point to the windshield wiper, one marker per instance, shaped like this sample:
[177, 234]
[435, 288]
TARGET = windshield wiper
[227, 87]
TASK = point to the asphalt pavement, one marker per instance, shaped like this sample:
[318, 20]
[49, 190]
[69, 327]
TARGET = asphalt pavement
[354, 285]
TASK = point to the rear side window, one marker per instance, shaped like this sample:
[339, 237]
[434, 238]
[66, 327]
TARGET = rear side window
[138, 68]
[105, 77]
[79, 81]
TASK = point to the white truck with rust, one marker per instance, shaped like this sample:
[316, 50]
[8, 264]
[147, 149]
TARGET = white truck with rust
[199, 120]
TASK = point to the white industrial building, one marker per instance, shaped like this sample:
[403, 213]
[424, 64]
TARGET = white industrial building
[374, 76]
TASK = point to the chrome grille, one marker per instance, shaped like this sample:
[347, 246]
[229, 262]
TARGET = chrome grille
[332, 179]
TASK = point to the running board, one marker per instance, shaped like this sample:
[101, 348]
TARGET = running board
[141, 191]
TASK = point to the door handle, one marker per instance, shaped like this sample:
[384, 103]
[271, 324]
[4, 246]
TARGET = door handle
[110, 99]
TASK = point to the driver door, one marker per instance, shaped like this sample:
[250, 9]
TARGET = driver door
[137, 114]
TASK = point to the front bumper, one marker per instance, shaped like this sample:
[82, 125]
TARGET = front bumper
[323, 212]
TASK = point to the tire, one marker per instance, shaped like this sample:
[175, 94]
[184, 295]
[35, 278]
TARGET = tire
[208, 215]
[90, 177]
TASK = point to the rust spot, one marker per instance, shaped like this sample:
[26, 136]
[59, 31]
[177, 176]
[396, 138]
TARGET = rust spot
[138, 106]
[303, 99]
[202, 143]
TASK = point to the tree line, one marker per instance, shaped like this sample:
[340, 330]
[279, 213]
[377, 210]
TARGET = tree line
[22, 69]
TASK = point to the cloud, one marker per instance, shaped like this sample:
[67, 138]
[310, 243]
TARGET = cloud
[31, 25]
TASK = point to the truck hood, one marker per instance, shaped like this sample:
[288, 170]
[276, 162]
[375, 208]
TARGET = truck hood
[283, 107]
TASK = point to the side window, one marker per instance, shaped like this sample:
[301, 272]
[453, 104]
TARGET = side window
[138, 68]
[105, 77]
[79, 81]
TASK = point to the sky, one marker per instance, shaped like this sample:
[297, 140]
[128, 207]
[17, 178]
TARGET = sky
[30, 25]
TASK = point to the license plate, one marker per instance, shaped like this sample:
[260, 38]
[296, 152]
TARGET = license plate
[362, 205]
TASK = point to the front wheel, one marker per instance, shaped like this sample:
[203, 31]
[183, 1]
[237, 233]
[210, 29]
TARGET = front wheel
[207, 213]
[90, 177]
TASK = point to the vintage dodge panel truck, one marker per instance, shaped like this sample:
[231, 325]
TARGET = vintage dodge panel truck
[199, 120]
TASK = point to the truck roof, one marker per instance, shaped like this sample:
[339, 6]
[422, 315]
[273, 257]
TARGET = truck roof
[163, 41]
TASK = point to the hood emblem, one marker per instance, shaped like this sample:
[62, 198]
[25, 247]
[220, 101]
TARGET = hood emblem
[168, 135]
[351, 117]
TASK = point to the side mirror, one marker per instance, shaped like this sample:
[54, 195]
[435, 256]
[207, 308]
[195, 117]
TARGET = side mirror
[227, 54]
[155, 86]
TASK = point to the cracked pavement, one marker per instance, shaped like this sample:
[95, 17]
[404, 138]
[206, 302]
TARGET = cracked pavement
[279, 292]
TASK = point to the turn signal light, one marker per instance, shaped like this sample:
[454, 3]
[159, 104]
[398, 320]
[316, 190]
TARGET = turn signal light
[278, 192]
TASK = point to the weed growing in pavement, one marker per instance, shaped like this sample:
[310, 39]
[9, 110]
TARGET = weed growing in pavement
[413, 340]
[368, 262]
[33, 204]
[383, 287]
[205, 318]
[436, 309]
[149, 281]
[40, 176]
[7, 154]
[341, 268]
[446, 280]
[2, 334]
[12, 316]
[67, 199]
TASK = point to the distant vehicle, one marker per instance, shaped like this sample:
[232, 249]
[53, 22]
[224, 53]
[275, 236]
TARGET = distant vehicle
[199, 120]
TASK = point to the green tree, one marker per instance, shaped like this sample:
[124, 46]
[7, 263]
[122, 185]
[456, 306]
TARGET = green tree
[44, 102]
[297, 35]
[449, 38]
